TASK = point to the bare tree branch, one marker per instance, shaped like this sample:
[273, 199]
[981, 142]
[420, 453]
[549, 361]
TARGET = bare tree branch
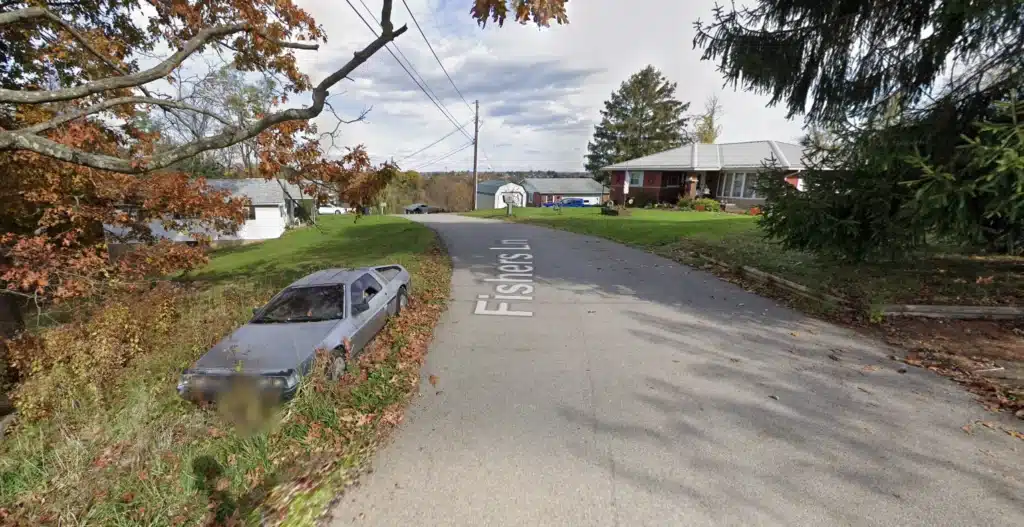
[124, 81]
[22, 140]
[111, 103]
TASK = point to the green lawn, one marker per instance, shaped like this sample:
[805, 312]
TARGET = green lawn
[737, 240]
[337, 241]
[103, 438]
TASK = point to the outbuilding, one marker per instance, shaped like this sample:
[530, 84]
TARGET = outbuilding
[546, 190]
[492, 194]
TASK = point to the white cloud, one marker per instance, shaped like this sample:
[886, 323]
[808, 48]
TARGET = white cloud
[540, 91]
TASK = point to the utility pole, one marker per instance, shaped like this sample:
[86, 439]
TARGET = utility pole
[476, 139]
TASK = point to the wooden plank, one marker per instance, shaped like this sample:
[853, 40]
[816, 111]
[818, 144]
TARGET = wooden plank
[954, 312]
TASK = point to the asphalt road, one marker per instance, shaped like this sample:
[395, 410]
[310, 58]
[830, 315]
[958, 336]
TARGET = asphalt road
[643, 392]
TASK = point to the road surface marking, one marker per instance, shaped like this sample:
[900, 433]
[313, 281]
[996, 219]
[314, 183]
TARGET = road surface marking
[515, 280]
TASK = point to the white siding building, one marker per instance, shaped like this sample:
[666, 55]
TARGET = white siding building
[273, 207]
[492, 194]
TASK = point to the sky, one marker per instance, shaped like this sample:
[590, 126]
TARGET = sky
[540, 90]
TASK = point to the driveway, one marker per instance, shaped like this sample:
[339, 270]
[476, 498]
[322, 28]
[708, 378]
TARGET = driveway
[622, 388]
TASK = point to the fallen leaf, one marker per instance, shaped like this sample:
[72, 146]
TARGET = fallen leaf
[833, 357]
[967, 429]
[433, 380]
[1014, 433]
[794, 333]
[984, 279]
[776, 397]
[870, 368]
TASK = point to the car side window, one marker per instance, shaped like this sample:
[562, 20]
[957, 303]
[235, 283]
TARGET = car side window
[371, 285]
[355, 292]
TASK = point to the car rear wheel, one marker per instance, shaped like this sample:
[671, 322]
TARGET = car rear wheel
[337, 369]
[400, 302]
[337, 212]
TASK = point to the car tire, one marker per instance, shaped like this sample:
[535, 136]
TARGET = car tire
[337, 368]
[337, 212]
[401, 302]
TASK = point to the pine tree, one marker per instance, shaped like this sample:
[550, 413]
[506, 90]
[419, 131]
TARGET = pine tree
[642, 117]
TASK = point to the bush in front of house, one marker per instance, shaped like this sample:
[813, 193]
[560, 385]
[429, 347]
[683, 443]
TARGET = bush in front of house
[706, 205]
[639, 201]
[685, 203]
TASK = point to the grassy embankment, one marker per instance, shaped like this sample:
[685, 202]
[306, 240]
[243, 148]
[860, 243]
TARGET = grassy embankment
[103, 438]
[736, 240]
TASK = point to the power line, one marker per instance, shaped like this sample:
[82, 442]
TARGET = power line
[438, 59]
[411, 76]
[409, 62]
[449, 134]
[446, 156]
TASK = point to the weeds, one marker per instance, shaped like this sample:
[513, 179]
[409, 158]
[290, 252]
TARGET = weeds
[109, 442]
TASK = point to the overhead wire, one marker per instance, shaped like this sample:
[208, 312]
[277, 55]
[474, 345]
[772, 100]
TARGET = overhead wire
[425, 91]
[438, 59]
[449, 134]
[446, 156]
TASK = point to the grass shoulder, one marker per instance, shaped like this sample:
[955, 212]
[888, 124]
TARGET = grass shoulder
[930, 278]
[104, 439]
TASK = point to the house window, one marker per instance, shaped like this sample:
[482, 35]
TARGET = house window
[750, 188]
[738, 185]
[636, 178]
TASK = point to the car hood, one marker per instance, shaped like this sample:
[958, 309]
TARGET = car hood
[266, 347]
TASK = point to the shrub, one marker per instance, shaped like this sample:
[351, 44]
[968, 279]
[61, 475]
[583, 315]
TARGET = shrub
[707, 204]
[639, 200]
[685, 203]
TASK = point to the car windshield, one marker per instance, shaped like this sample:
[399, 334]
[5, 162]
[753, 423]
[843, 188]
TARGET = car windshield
[305, 304]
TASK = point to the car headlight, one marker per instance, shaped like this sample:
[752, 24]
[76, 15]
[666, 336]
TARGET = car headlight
[190, 381]
[281, 382]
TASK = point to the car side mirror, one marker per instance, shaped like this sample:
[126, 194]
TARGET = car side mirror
[359, 307]
[256, 309]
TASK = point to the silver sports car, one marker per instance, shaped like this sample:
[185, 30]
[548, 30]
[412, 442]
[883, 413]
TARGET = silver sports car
[329, 310]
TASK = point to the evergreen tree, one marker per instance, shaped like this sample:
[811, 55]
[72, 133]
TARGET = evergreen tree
[642, 117]
[898, 85]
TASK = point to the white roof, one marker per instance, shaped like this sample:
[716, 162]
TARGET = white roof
[720, 156]
[563, 185]
[260, 191]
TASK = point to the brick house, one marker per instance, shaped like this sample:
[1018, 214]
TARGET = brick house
[547, 190]
[726, 172]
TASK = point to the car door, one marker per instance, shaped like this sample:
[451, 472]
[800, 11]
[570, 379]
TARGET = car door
[367, 323]
[378, 299]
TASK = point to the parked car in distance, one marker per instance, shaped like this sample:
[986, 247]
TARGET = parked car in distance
[567, 202]
[417, 208]
[337, 310]
[333, 209]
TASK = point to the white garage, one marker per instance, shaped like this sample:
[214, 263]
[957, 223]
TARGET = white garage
[492, 194]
